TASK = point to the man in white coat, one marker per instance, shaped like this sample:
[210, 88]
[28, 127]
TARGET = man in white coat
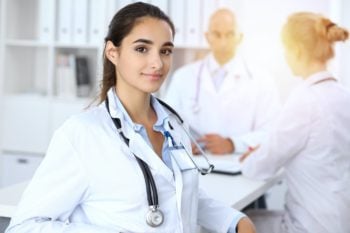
[227, 101]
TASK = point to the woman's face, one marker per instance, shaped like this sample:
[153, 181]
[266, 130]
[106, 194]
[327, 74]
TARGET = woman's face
[144, 57]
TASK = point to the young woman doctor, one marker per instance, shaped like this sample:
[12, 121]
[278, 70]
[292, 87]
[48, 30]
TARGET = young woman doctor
[312, 137]
[120, 166]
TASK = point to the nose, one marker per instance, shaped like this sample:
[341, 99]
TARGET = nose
[156, 61]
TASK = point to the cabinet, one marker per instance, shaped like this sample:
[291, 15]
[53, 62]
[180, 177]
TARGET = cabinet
[18, 168]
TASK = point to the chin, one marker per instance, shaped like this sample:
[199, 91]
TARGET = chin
[151, 89]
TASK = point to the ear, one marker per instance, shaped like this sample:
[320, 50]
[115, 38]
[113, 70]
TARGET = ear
[111, 52]
[239, 38]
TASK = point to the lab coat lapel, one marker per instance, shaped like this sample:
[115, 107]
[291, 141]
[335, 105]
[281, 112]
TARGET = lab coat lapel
[178, 183]
[142, 150]
[236, 72]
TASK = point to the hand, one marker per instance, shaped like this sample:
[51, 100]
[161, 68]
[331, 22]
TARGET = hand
[216, 144]
[195, 150]
[247, 153]
[245, 226]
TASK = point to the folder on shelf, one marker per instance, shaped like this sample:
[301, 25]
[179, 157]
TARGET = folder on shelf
[65, 76]
[64, 34]
[46, 20]
[193, 23]
[100, 15]
[82, 76]
[79, 32]
[177, 9]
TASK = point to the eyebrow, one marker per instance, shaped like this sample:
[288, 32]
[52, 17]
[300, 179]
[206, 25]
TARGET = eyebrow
[145, 41]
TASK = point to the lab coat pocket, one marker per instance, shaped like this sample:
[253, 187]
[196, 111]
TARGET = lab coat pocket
[183, 159]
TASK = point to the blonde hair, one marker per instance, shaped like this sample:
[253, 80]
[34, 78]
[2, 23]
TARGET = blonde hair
[314, 34]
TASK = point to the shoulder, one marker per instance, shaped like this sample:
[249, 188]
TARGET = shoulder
[301, 99]
[81, 124]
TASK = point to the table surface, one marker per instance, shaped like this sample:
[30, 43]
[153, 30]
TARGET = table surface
[237, 191]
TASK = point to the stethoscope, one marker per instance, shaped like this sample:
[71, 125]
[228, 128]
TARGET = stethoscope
[195, 106]
[155, 216]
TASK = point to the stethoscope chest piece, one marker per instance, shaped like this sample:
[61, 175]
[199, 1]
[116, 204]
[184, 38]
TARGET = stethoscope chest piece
[154, 217]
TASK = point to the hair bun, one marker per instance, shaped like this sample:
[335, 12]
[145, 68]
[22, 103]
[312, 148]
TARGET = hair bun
[336, 33]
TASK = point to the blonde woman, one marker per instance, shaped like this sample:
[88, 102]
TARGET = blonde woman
[311, 140]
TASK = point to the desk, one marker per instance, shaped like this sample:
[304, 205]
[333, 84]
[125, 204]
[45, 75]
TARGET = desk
[9, 198]
[236, 191]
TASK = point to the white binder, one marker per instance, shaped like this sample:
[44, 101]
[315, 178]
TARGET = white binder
[80, 9]
[193, 23]
[97, 9]
[46, 20]
[177, 15]
[111, 10]
[65, 21]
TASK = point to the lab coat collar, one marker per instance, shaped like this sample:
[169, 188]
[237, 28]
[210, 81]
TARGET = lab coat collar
[137, 145]
[234, 68]
[316, 77]
[117, 110]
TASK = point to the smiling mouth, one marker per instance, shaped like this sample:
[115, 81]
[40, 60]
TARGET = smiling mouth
[153, 76]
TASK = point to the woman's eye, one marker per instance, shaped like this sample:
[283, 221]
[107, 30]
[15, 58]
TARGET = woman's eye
[141, 49]
[167, 51]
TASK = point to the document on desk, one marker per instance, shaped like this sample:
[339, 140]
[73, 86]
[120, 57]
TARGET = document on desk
[223, 164]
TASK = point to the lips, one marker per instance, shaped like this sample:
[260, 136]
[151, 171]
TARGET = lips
[153, 76]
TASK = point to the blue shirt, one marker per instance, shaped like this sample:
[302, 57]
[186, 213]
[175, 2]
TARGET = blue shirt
[162, 119]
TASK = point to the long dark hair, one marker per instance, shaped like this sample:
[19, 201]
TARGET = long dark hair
[121, 25]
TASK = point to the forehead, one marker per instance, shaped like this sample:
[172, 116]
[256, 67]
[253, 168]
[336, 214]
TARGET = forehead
[153, 29]
[222, 21]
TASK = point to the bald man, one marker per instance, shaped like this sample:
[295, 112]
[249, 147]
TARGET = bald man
[229, 103]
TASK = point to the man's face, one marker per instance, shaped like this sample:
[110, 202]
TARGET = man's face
[223, 35]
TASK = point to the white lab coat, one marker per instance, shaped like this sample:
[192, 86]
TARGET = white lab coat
[312, 142]
[242, 109]
[90, 182]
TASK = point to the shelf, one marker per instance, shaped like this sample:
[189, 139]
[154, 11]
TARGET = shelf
[76, 46]
[26, 43]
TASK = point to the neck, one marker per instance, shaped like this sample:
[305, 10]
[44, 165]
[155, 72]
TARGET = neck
[137, 105]
[313, 68]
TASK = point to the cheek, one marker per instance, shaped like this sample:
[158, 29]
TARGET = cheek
[167, 62]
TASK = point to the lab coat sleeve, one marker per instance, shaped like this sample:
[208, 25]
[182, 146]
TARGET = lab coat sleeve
[57, 188]
[216, 216]
[289, 136]
[267, 107]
